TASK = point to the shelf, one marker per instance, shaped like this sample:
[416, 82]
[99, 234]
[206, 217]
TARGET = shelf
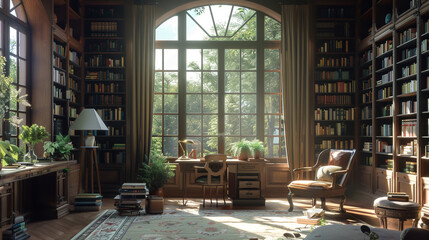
[384, 54]
[425, 35]
[385, 69]
[366, 136]
[103, 38]
[104, 106]
[367, 119]
[105, 53]
[384, 136]
[89, 67]
[365, 64]
[388, 99]
[59, 69]
[57, 84]
[410, 77]
[383, 153]
[103, 19]
[384, 84]
[402, 137]
[425, 71]
[74, 77]
[335, 53]
[407, 44]
[62, 100]
[326, 121]
[407, 115]
[407, 60]
[107, 93]
[59, 116]
[365, 77]
[99, 81]
[384, 117]
[335, 93]
[406, 156]
[74, 64]
[405, 95]
[334, 136]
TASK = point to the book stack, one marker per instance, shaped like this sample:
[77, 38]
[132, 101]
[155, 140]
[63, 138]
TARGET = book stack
[397, 196]
[18, 231]
[130, 199]
[88, 202]
[312, 216]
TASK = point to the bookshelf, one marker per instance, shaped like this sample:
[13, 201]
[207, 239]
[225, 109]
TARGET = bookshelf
[334, 83]
[105, 87]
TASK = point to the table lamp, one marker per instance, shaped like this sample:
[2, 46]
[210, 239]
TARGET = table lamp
[89, 119]
[184, 141]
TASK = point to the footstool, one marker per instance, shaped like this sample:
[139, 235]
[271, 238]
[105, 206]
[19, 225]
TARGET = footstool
[395, 209]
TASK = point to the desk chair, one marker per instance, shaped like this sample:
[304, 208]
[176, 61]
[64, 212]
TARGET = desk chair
[212, 175]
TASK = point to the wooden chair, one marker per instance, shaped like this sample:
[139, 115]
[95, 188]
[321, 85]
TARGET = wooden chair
[333, 168]
[212, 175]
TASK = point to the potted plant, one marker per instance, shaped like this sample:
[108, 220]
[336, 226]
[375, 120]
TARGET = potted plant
[59, 149]
[156, 173]
[10, 153]
[30, 136]
[242, 149]
[258, 148]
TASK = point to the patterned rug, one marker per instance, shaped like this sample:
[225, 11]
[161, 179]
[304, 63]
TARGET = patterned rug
[197, 224]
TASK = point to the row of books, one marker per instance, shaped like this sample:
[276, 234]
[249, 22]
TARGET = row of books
[424, 45]
[335, 62]
[367, 97]
[111, 157]
[59, 49]
[58, 62]
[366, 112]
[367, 146]
[18, 231]
[110, 145]
[386, 130]
[116, 131]
[398, 196]
[407, 53]
[408, 107]
[384, 47]
[385, 78]
[410, 167]
[426, 151]
[338, 87]
[367, 71]
[367, 84]
[103, 87]
[409, 127]
[58, 126]
[366, 130]
[409, 70]
[409, 87]
[104, 61]
[366, 160]
[407, 35]
[334, 12]
[387, 110]
[88, 202]
[58, 92]
[333, 75]
[103, 29]
[334, 46]
[58, 109]
[409, 149]
[74, 57]
[59, 76]
[104, 75]
[384, 93]
[383, 146]
[103, 12]
[332, 29]
[334, 114]
[334, 99]
[387, 62]
[111, 114]
[105, 46]
[130, 198]
[366, 56]
[338, 129]
[104, 100]
[73, 112]
[70, 95]
[337, 144]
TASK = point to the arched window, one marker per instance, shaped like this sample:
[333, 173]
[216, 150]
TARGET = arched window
[14, 47]
[217, 80]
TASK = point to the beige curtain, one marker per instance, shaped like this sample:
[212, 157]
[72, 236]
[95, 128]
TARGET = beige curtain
[295, 83]
[140, 81]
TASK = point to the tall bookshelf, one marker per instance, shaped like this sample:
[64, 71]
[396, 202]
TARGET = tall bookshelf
[67, 62]
[334, 82]
[105, 87]
[393, 156]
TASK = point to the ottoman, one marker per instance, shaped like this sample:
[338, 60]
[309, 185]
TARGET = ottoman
[395, 209]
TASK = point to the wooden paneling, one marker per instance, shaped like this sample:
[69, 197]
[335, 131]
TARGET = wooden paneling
[383, 181]
[365, 178]
[407, 183]
[425, 193]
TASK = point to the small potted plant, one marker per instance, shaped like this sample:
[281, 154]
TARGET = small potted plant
[242, 150]
[59, 149]
[10, 153]
[30, 136]
[258, 148]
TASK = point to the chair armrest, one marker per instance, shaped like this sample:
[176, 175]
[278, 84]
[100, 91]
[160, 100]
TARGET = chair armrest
[303, 169]
[335, 175]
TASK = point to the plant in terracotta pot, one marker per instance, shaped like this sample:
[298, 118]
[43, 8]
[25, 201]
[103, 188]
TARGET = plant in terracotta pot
[30, 136]
[59, 149]
[258, 148]
[242, 149]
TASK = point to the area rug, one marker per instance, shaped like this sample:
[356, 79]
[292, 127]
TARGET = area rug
[197, 224]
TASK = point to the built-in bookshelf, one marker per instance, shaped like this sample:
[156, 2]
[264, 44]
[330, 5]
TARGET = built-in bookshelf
[334, 82]
[105, 87]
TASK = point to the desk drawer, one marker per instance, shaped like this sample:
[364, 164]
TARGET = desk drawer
[245, 168]
[248, 184]
[249, 193]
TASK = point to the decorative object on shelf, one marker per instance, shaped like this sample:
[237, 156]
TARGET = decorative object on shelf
[30, 136]
[89, 120]
[59, 149]
[388, 18]
[242, 150]
[185, 141]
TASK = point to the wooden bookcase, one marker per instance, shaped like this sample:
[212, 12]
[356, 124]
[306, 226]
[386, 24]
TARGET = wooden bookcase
[105, 87]
[393, 105]
[334, 83]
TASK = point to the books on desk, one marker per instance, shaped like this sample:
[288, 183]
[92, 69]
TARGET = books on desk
[398, 196]
[130, 199]
[88, 202]
[18, 231]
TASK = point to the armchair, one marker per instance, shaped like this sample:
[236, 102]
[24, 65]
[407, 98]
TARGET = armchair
[333, 168]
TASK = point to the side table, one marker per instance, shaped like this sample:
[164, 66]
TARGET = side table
[395, 209]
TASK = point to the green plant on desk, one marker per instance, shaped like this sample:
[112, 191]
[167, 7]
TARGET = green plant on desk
[60, 148]
[10, 153]
[31, 135]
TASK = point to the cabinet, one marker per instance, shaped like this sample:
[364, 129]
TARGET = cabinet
[105, 87]
[244, 183]
[334, 82]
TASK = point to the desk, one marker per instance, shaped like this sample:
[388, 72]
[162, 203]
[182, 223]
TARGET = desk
[244, 180]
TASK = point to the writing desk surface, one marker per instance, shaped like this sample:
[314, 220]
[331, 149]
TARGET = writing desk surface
[228, 161]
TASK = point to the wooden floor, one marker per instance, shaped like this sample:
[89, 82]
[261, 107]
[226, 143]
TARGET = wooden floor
[68, 226]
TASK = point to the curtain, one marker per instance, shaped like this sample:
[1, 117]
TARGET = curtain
[140, 81]
[295, 84]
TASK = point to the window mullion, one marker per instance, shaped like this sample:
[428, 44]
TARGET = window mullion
[260, 98]
[182, 79]
[221, 100]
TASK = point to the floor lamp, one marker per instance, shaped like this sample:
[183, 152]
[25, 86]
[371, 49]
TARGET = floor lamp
[89, 119]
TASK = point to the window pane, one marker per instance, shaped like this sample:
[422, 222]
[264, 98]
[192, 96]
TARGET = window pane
[210, 59]
[232, 59]
[272, 59]
[272, 29]
[232, 103]
[22, 45]
[272, 124]
[13, 105]
[248, 125]
[193, 31]
[271, 147]
[167, 31]
[228, 141]
[232, 82]
[193, 59]
[232, 124]
[272, 82]
[210, 145]
[157, 103]
[210, 123]
[210, 82]
[170, 146]
[13, 129]
[248, 59]
[193, 125]
[193, 82]
[272, 103]
[171, 82]
[170, 125]
[171, 59]
[158, 82]
[157, 125]
[158, 59]
[22, 72]
[193, 103]
[171, 103]
[22, 91]
[13, 68]
[248, 82]
[248, 103]
[13, 40]
[210, 103]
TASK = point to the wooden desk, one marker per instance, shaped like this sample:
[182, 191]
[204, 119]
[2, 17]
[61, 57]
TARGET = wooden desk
[244, 180]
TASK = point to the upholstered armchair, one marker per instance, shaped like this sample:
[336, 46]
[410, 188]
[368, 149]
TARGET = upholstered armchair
[332, 170]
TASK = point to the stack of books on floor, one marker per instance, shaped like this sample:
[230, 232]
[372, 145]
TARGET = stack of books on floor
[312, 216]
[130, 199]
[18, 231]
[398, 196]
[88, 202]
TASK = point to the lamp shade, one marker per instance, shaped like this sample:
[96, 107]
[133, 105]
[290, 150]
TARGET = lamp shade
[88, 119]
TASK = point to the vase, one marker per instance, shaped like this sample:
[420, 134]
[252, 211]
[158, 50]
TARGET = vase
[30, 156]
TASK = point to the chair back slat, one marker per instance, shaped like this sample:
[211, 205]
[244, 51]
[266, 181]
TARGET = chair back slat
[215, 166]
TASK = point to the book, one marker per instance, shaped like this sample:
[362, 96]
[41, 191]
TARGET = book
[305, 220]
[398, 196]
[88, 203]
[134, 186]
